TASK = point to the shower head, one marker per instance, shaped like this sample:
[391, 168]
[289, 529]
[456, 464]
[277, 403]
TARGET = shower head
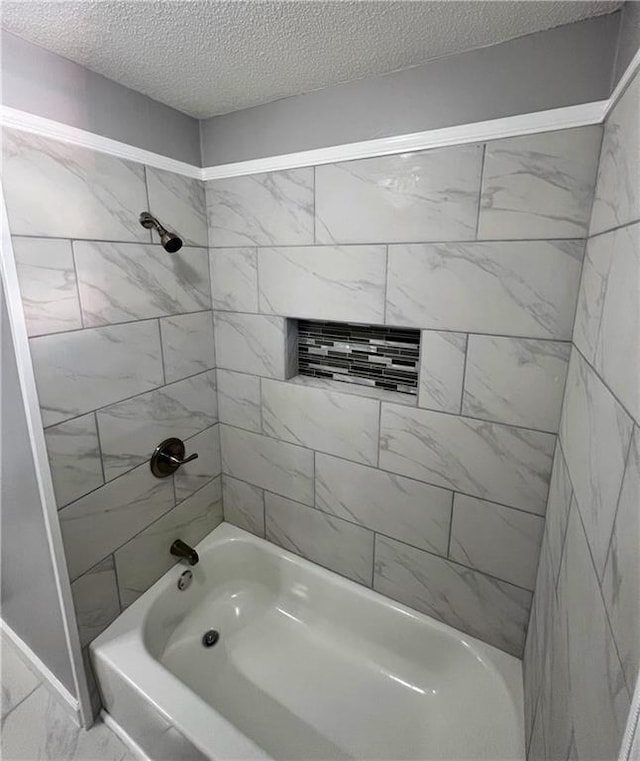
[170, 241]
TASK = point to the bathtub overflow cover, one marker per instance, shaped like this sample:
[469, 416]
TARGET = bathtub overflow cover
[185, 580]
[210, 638]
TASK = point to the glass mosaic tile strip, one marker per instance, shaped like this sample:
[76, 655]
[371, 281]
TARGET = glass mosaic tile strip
[368, 355]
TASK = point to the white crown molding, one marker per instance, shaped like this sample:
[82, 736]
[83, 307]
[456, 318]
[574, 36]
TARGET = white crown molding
[580, 115]
[38, 125]
[476, 132]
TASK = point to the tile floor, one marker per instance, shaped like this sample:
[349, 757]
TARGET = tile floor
[35, 726]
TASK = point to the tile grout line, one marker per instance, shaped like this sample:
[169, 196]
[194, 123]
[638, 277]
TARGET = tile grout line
[130, 470]
[77, 285]
[100, 454]
[129, 398]
[480, 188]
[162, 361]
[464, 372]
[145, 528]
[136, 321]
[373, 467]
[382, 534]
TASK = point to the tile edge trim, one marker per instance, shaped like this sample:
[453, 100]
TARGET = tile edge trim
[567, 117]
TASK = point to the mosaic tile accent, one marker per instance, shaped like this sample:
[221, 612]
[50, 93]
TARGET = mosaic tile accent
[382, 357]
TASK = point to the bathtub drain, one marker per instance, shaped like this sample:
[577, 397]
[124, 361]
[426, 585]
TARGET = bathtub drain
[210, 638]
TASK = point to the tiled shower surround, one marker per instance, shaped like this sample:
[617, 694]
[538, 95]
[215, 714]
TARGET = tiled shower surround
[436, 500]
[583, 646]
[123, 353]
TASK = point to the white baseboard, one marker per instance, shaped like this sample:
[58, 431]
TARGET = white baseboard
[42, 672]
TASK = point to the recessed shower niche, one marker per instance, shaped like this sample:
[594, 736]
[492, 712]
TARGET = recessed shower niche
[366, 355]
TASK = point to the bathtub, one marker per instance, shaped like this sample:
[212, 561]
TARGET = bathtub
[308, 665]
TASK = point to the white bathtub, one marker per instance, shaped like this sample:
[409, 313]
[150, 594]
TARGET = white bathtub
[308, 666]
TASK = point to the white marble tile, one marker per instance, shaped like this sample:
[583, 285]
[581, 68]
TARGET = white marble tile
[239, 400]
[407, 510]
[599, 701]
[131, 430]
[442, 358]
[47, 285]
[496, 462]
[194, 475]
[621, 582]
[282, 468]
[617, 355]
[146, 557]
[617, 197]
[324, 282]
[595, 433]
[187, 345]
[431, 195]
[497, 540]
[74, 456]
[59, 190]
[96, 525]
[179, 203]
[342, 387]
[593, 287]
[515, 380]
[521, 288]
[335, 544]
[243, 505]
[96, 601]
[234, 279]
[81, 371]
[275, 208]
[40, 728]
[251, 343]
[326, 421]
[539, 186]
[17, 681]
[560, 497]
[492, 610]
[119, 282]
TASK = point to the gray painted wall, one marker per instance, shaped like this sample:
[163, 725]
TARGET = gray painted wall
[28, 597]
[45, 84]
[629, 40]
[517, 76]
[561, 67]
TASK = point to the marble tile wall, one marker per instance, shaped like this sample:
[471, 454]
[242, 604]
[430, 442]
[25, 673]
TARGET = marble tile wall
[437, 501]
[582, 652]
[122, 342]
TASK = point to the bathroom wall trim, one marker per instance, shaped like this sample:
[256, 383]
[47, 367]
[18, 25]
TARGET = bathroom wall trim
[475, 132]
[26, 377]
[567, 117]
[43, 672]
[494, 129]
[38, 125]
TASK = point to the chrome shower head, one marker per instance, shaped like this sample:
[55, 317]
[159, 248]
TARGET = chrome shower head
[170, 241]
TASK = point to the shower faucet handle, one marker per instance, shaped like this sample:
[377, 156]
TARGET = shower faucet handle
[168, 456]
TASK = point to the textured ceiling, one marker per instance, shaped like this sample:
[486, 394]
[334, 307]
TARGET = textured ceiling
[217, 56]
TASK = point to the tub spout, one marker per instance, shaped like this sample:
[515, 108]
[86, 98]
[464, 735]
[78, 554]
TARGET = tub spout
[182, 550]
